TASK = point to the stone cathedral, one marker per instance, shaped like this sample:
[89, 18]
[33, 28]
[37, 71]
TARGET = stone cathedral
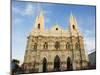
[54, 49]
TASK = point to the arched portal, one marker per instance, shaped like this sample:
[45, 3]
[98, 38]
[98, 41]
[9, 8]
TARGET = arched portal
[44, 65]
[57, 63]
[69, 64]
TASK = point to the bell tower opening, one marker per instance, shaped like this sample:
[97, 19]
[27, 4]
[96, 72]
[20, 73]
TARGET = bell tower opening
[73, 26]
[56, 28]
[39, 26]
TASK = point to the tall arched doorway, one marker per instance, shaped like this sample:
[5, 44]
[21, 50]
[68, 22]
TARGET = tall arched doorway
[57, 63]
[44, 65]
[69, 64]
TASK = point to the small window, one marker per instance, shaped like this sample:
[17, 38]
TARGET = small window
[77, 46]
[39, 26]
[35, 46]
[67, 45]
[57, 45]
[73, 26]
[45, 45]
[56, 28]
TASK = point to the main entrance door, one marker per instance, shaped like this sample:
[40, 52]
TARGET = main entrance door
[69, 64]
[57, 63]
[44, 65]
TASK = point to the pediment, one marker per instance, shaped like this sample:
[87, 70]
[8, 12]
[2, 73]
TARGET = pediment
[56, 28]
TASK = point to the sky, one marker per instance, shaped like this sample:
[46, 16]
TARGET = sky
[24, 14]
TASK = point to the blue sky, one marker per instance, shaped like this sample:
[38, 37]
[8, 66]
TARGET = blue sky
[24, 13]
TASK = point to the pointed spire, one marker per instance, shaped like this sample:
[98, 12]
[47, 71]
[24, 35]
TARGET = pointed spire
[39, 24]
[72, 18]
[73, 24]
[41, 13]
[71, 15]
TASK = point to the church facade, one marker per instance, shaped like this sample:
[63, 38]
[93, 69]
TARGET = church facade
[54, 49]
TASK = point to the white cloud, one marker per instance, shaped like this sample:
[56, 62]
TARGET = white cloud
[16, 10]
[47, 12]
[29, 10]
[47, 20]
[89, 39]
[17, 21]
[88, 33]
[89, 44]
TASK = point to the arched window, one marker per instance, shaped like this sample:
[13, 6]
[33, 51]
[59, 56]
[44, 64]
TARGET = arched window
[77, 45]
[35, 46]
[57, 45]
[39, 26]
[67, 45]
[45, 45]
[73, 26]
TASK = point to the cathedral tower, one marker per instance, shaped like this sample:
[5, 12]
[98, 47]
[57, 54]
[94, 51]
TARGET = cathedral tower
[39, 22]
[77, 42]
[73, 25]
